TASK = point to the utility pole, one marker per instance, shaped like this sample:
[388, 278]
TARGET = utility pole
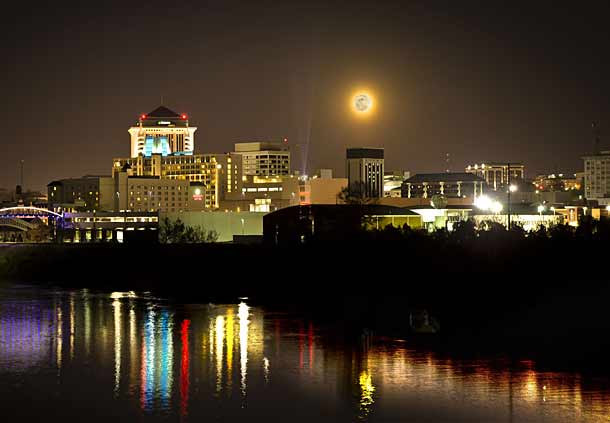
[596, 137]
[508, 202]
[21, 174]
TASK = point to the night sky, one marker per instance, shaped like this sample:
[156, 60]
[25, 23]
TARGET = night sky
[479, 81]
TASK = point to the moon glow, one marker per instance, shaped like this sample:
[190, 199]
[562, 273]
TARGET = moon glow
[362, 103]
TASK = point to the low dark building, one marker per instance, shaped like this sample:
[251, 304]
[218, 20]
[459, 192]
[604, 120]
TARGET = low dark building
[317, 222]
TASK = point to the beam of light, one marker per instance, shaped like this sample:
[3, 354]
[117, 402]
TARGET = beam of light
[220, 334]
[230, 336]
[116, 306]
[184, 367]
[243, 314]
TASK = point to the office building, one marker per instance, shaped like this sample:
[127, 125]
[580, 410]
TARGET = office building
[164, 132]
[150, 194]
[220, 174]
[365, 171]
[264, 158]
[496, 175]
[81, 194]
[162, 146]
[262, 194]
[597, 177]
[321, 188]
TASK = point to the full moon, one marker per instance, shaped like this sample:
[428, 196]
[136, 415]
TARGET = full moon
[362, 103]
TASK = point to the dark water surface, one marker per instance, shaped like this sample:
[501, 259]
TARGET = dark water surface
[82, 356]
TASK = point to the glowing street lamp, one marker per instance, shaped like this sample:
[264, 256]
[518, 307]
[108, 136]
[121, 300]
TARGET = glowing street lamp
[512, 188]
[483, 202]
[496, 207]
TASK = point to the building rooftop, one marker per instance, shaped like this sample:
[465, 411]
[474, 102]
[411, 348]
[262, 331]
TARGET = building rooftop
[243, 147]
[162, 116]
[163, 112]
[364, 153]
[444, 177]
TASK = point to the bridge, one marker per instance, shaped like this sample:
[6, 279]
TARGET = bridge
[15, 223]
[26, 217]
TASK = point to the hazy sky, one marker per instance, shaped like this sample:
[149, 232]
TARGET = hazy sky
[479, 81]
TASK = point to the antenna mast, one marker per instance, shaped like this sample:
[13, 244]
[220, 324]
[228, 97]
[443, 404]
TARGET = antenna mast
[595, 128]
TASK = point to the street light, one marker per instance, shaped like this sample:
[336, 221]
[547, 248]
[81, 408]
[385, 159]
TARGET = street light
[541, 208]
[242, 225]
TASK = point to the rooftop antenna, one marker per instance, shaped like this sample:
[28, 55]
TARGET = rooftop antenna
[161, 99]
[595, 128]
[21, 173]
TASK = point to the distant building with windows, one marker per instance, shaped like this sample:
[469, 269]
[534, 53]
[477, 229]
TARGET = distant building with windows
[263, 158]
[151, 194]
[321, 188]
[263, 194]
[75, 193]
[597, 177]
[365, 171]
[450, 185]
[392, 182]
[496, 175]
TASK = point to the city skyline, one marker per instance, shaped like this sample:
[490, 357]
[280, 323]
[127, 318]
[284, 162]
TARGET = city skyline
[489, 83]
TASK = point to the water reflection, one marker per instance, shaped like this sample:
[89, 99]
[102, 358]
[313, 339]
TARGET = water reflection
[195, 361]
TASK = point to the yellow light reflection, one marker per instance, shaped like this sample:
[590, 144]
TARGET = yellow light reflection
[243, 314]
[116, 305]
[230, 336]
[220, 334]
[87, 307]
[366, 392]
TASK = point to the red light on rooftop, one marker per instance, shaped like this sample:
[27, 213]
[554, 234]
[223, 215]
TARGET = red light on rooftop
[285, 140]
[143, 117]
[183, 116]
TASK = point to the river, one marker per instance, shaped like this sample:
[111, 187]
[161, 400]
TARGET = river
[84, 356]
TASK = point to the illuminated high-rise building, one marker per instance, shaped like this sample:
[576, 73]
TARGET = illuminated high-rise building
[364, 171]
[162, 145]
[164, 132]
